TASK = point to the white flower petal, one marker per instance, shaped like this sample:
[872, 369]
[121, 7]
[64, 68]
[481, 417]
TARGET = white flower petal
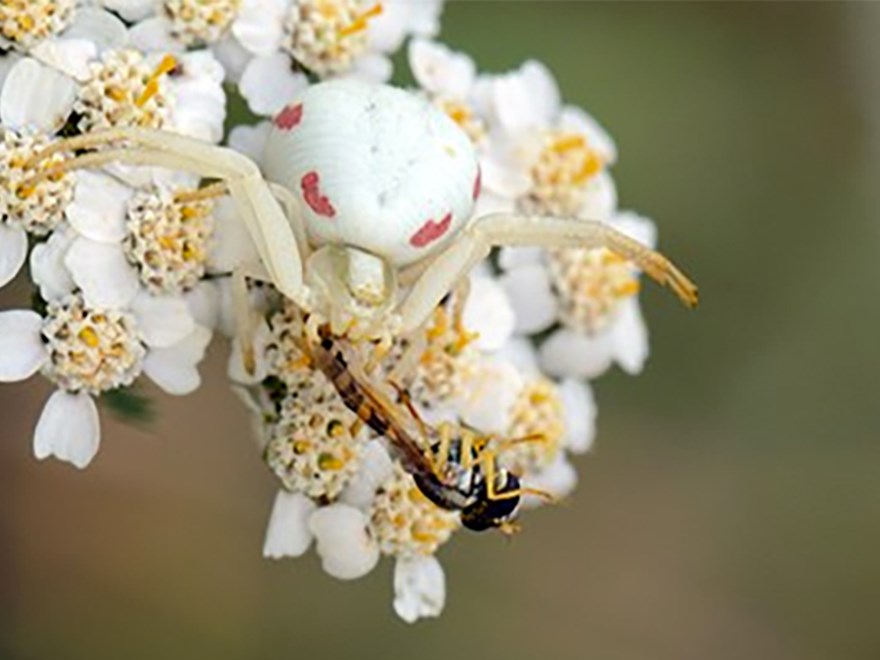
[233, 56]
[419, 588]
[99, 27]
[259, 26]
[580, 411]
[232, 245]
[251, 140]
[162, 320]
[531, 297]
[174, 368]
[372, 68]
[558, 479]
[268, 83]
[47, 265]
[569, 353]
[22, 351]
[13, 252]
[527, 98]
[131, 10]
[489, 395]
[102, 272]
[376, 468]
[489, 312]
[68, 429]
[636, 226]
[601, 199]
[68, 56]
[347, 551]
[440, 70]
[288, 533]
[204, 303]
[99, 209]
[36, 97]
[575, 119]
[521, 353]
[629, 337]
[513, 257]
[154, 35]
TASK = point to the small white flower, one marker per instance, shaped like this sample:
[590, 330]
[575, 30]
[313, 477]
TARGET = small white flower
[592, 294]
[68, 429]
[175, 25]
[344, 544]
[328, 38]
[62, 33]
[419, 588]
[288, 533]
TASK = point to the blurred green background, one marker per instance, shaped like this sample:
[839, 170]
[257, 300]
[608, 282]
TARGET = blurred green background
[731, 508]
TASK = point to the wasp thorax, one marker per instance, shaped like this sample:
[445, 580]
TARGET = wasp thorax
[36, 207]
[91, 350]
[27, 22]
[561, 174]
[591, 285]
[197, 22]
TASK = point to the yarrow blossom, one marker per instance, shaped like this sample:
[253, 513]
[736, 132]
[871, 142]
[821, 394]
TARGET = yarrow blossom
[135, 267]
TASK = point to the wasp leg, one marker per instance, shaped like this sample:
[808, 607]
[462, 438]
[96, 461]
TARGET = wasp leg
[489, 473]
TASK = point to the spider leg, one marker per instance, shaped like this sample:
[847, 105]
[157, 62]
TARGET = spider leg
[500, 229]
[272, 231]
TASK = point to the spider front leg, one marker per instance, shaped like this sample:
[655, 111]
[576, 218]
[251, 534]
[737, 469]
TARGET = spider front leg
[277, 242]
[503, 229]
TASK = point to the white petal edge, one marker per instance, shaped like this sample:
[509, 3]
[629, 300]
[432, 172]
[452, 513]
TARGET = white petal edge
[419, 588]
[99, 210]
[569, 353]
[629, 337]
[531, 297]
[13, 252]
[162, 320]
[174, 368]
[22, 351]
[102, 272]
[346, 549]
[268, 83]
[580, 411]
[489, 312]
[47, 265]
[288, 533]
[68, 429]
[36, 97]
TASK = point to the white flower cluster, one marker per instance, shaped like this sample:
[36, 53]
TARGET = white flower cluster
[131, 264]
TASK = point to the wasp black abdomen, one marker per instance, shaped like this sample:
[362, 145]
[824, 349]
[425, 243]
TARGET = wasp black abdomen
[485, 513]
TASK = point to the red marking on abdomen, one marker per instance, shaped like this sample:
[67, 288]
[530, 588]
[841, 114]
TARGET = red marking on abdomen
[478, 183]
[289, 117]
[430, 231]
[319, 203]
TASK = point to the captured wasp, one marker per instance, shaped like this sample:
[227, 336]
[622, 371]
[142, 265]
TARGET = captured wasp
[453, 466]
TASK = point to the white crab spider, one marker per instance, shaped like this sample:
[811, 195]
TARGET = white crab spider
[365, 219]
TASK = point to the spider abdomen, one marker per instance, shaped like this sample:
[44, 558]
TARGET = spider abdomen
[376, 168]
